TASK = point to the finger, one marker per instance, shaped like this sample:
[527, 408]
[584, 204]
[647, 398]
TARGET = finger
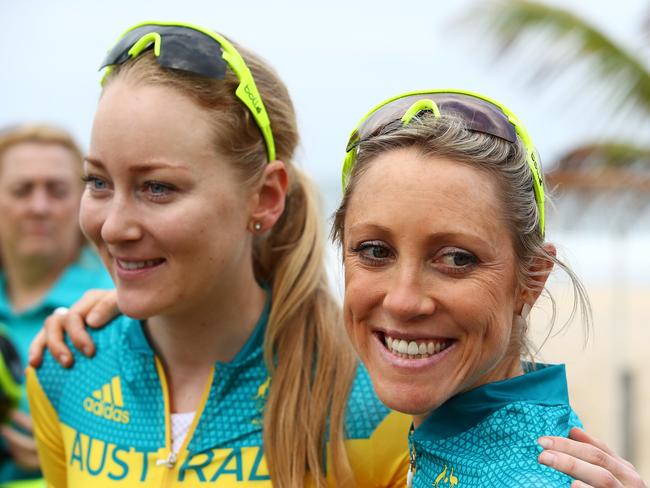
[21, 419]
[581, 436]
[576, 468]
[580, 484]
[74, 326]
[104, 310]
[17, 441]
[36, 348]
[53, 330]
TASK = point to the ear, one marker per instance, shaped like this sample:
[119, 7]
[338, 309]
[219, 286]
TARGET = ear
[536, 276]
[267, 203]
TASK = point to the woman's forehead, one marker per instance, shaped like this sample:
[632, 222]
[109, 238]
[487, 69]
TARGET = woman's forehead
[405, 187]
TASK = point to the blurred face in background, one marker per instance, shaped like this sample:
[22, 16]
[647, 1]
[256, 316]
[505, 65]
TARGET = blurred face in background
[40, 190]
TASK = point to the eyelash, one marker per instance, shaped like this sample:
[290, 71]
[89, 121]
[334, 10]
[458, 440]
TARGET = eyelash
[87, 179]
[167, 189]
[453, 252]
[363, 249]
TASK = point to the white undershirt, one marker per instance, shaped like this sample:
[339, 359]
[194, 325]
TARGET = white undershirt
[181, 423]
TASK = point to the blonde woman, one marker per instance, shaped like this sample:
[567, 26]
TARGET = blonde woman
[231, 367]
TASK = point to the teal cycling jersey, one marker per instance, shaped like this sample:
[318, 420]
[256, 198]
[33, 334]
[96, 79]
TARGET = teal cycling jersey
[106, 421]
[85, 273]
[488, 436]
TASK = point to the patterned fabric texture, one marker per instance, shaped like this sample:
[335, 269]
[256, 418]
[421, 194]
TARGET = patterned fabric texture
[490, 437]
[105, 421]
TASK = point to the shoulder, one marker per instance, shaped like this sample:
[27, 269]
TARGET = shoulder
[110, 342]
[366, 414]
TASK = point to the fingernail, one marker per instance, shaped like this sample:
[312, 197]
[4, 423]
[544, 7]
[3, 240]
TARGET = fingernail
[547, 458]
[92, 316]
[87, 350]
[545, 442]
[64, 358]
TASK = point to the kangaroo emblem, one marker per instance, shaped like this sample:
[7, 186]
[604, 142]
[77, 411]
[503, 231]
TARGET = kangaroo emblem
[260, 399]
[440, 477]
[263, 388]
[449, 481]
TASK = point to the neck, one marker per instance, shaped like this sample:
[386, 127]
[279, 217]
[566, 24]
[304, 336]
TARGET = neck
[30, 278]
[189, 344]
[506, 369]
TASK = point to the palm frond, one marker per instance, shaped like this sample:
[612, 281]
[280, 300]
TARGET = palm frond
[614, 154]
[558, 40]
[611, 165]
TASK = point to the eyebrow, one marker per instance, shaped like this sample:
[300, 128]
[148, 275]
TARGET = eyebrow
[444, 235]
[142, 167]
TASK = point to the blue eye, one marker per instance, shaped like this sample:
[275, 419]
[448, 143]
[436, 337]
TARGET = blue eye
[157, 188]
[94, 182]
[158, 191]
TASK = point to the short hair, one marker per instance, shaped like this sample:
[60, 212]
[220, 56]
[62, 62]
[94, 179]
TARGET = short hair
[38, 134]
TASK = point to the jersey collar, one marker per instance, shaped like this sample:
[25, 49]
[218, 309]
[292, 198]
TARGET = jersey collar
[545, 385]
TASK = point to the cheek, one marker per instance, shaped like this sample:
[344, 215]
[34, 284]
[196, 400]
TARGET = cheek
[90, 219]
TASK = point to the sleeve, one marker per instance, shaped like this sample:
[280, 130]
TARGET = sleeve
[382, 460]
[47, 432]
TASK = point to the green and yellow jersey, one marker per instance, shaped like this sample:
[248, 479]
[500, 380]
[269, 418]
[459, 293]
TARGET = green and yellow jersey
[488, 436]
[106, 421]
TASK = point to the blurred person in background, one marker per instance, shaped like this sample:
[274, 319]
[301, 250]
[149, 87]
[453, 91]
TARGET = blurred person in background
[45, 261]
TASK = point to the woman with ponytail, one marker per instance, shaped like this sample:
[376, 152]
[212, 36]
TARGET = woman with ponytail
[229, 366]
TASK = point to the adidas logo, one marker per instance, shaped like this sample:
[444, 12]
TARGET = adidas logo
[108, 403]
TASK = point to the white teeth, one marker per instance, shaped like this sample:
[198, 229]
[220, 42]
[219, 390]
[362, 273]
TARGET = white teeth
[413, 349]
[137, 264]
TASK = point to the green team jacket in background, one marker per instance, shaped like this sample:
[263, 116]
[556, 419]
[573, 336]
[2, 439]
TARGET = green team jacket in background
[85, 273]
[105, 422]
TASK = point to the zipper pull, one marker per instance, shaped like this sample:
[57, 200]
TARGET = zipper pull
[168, 462]
[412, 465]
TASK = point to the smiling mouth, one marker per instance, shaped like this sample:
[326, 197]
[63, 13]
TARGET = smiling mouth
[414, 349]
[134, 265]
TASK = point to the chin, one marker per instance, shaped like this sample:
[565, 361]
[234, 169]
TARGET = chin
[138, 308]
[409, 399]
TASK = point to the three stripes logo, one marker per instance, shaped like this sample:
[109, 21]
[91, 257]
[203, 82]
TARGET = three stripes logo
[108, 403]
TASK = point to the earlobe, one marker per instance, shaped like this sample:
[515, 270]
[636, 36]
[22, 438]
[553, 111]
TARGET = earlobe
[269, 198]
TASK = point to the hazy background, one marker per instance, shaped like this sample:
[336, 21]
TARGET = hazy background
[339, 59]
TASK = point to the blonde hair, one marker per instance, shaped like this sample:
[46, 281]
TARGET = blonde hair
[311, 363]
[39, 134]
[448, 137]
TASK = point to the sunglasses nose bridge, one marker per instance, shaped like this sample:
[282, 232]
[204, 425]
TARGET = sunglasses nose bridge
[144, 42]
[423, 105]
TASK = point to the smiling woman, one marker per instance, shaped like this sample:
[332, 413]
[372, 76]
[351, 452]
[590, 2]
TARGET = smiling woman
[442, 230]
[230, 366]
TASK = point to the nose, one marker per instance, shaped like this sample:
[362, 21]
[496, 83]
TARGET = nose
[408, 298]
[121, 222]
[39, 201]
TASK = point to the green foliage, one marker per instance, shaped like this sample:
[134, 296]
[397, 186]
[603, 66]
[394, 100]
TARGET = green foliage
[564, 39]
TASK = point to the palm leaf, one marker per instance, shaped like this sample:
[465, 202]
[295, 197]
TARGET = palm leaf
[559, 40]
[610, 165]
